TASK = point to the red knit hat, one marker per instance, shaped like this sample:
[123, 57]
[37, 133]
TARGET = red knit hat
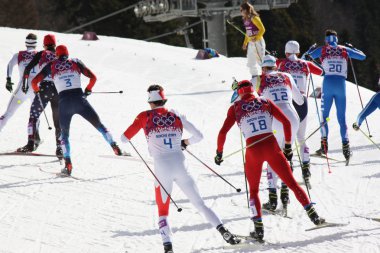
[245, 86]
[61, 50]
[49, 40]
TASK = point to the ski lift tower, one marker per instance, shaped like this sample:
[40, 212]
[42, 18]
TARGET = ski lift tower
[213, 14]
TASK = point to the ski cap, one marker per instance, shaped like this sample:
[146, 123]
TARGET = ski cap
[156, 95]
[269, 61]
[292, 47]
[245, 86]
[49, 40]
[31, 40]
[61, 50]
[331, 39]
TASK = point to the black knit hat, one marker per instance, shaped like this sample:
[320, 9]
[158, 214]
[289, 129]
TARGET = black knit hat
[31, 40]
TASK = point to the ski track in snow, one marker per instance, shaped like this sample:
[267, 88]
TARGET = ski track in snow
[110, 207]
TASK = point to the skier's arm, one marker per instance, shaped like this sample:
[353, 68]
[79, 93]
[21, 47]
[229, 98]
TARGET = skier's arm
[280, 116]
[11, 64]
[228, 123]
[32, 63]
[257, 22]
[315, 68]
[87, 72]
[316, 53]
[371, 106]
[355, 54]
[197, 136]
[133, 129]
[40, 76]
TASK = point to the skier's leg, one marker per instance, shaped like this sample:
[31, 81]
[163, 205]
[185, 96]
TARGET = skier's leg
[186, 183]
[280, 165]
[326, 103]
[16, 100]
[162, 199]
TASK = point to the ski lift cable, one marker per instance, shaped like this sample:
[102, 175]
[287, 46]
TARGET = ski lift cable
[173, 32]
[101, 18]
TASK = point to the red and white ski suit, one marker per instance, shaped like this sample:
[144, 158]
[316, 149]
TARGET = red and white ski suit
[254, 117]
[163, 130]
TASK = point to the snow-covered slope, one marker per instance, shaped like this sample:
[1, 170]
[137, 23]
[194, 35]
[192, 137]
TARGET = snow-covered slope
[112, 208]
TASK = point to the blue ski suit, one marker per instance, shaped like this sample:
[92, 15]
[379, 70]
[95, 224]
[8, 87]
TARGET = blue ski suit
[334, 60]
[372, 105]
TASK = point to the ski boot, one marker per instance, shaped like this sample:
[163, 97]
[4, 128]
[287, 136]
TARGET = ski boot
[346, 150]
[324, 147]
[314, 217]
[168, 247]
[227, 236]
[116, 148]
[271, 205]
[284, 196]
[58, 152]
[258, 234]
[68, 167]
[306, 173]
[29, 147]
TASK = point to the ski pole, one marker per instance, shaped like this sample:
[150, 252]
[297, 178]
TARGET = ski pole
[208, 167]
[245, 175]
[106, 92]
[316, 130]
[360, 97]
[237, 28]
[315, 97]
[304, 180]
[369, 138]
[154, 175]
[250, 145]
[43, 109]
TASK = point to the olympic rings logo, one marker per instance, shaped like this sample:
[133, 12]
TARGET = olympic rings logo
[164, 120]
[60, 66]
[50, 57]
[253, 105]
[274, 79]
[293, 65]
[27, 55]
[334, 51]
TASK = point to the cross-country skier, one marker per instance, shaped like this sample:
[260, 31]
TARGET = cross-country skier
[163, 129]
[22, 59]
[66, 73]
[334, 60]
[254, 116]
[300, 70]
[254, 41]
[48, 93]
[371, 106]
[281, 89]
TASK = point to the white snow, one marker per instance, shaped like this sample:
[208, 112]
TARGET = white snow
[112, 208]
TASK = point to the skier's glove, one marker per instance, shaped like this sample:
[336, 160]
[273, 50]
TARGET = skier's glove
[234, 85]
[218, 158]
[87, 92]
[348, 45]
[288, 152]
[183, 145]
[355, 126]
[9, 84]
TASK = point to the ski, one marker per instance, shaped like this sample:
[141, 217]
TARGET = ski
[327, 225]
[248, 242]
[126, 156]
[15, 153]
[330, 158]
[279, 212]
[367, 218]
[60, 174]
